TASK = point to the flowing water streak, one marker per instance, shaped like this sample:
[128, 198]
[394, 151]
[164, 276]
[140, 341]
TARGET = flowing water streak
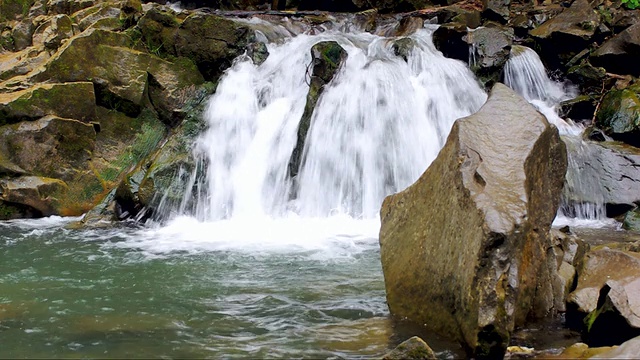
[525, 73]
[375, 129]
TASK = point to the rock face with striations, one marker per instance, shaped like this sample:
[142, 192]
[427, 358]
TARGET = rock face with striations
[464, 248]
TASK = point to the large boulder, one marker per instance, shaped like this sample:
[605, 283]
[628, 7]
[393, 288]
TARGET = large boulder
[568, 33]
[464, 248]
[37, 193]
[490, 50]
[620, 54]
[327, 57]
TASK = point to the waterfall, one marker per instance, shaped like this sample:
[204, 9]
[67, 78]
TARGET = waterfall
[525, 73]
[374, 131]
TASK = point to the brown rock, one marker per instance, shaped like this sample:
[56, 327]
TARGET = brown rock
[463, 248]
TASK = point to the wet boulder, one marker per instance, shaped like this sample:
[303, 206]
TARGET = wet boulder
[619, 114]
[496, 10]
[605, 173]
[565, 35]
[620, 54]
[327, 57]
[464, 249]
[490, 50]
[411, 349]
[605, 298]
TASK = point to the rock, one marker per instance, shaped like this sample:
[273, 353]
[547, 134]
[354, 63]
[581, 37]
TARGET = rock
[38, 193]
[568, 33]
[104, 16]
[11, 10]
[69, 100]
[463, 248]
[632, 220]
[582, 351]
[448, 38]
[604, 294]
[258, 52]
[158, 28]
[604, 173]
[414, 348]
[21, 62]
[68, 6]
[625, 18]
[51, 146]
[403, 47]
[491, 47]
[620, 53]
[580, 108]
[21, 35]
[122, 75]
[590, 78]
[52, 32]
[619, 114]
[168, 172]
[567, 254]
[628, 350]
[10, 211]
[212, 42]
[327, 57]
[496, 10]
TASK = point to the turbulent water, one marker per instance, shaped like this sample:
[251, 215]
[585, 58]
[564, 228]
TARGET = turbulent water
[263, 265]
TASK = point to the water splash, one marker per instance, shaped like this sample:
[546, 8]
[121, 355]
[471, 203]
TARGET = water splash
[525, 73]
[375, 129]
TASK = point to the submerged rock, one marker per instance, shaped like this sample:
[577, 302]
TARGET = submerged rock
[413, 349]
[464, 248]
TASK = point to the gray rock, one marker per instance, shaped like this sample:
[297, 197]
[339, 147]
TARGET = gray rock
[602, 173]
[620, 53]
[497, 10]
[464, 249]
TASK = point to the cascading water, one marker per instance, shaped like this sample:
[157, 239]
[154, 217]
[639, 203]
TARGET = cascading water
[375, 129]
[525, 73]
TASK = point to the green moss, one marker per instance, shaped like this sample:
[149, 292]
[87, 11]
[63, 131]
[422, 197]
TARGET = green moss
[9, 9]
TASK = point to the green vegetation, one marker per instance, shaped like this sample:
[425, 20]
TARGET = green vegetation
[631, 4]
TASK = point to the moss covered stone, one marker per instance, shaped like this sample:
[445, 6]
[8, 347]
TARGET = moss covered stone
[69, 100]
[619, 114]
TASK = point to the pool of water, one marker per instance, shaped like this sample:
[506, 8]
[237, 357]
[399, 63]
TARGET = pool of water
[300, 288]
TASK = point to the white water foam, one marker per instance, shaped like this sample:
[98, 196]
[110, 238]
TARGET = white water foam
[375, 129]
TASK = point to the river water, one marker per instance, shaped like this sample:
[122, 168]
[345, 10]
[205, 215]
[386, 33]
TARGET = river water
[251, 270]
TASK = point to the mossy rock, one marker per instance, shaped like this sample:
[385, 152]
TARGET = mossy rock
[619, 114]
[51, 146]
[39, 193]
[212, 42]
[68, 100]
[414, 349]
[11, 9]
[632, 220]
